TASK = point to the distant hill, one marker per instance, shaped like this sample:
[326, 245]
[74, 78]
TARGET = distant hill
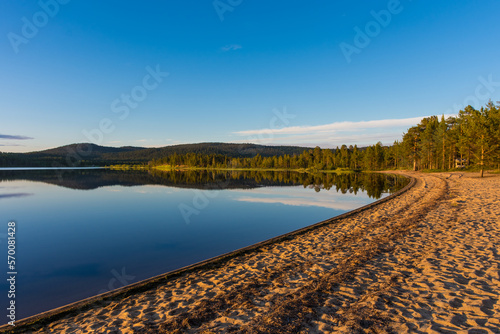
[95, 150]
[85, 154]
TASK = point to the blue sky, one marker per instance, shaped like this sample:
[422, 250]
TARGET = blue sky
[238, 70]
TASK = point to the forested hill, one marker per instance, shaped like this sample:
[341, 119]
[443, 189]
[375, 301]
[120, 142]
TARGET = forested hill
[84, 154]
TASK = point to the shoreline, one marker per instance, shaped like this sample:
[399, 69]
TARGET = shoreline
[168, 168]
[424, 262]
[57, 313]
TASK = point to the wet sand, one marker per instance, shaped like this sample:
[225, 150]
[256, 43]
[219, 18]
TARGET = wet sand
[426, 261]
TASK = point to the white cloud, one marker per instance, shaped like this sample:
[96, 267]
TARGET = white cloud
[231, 47]
[337, 126]
[333, 134]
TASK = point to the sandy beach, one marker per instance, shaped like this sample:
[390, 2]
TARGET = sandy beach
[426, 261]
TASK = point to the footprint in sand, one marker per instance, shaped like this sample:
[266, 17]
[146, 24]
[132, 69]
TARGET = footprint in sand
[134, 313]
[459, 320]
[456, 302]
[98, 325]
[489, 303]
[152, 316]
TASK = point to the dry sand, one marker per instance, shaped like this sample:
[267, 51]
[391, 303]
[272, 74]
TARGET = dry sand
[424, 262]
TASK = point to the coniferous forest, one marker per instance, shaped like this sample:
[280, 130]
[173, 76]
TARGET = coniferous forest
[469, 140]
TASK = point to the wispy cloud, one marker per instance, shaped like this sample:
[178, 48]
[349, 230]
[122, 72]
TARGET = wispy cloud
[14, 137]
[336, 126]
[231, 47]
[333, 134]
[325, 140]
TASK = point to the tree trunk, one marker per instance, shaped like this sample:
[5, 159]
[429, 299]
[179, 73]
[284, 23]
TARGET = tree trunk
[449, 157]
[468, 156]
[397, 158]
[415, 155]
[444, 155]
[482, 157]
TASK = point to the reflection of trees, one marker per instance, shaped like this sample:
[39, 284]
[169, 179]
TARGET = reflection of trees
[372, 183]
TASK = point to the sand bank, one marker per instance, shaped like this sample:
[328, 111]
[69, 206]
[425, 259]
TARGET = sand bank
[426, 261]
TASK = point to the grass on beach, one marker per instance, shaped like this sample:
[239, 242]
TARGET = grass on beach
[169, 168]
[128, 167]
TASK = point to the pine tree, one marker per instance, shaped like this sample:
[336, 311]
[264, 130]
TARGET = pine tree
[482, 132]
[411, 143]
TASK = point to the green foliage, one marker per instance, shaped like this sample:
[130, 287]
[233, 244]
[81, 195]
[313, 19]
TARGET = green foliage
[472, 139]
[84, 154]
[352, 158]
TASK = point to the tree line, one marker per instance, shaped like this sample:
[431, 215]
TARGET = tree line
[375, 157]
[87, 154]
[472, 138]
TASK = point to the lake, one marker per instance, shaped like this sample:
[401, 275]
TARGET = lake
[83, 232]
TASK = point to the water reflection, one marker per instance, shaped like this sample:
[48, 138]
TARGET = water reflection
[3, 196]
[295, 197]
[372, 183]
[82, 229]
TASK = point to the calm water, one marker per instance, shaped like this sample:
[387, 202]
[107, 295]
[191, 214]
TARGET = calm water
[83, 232]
